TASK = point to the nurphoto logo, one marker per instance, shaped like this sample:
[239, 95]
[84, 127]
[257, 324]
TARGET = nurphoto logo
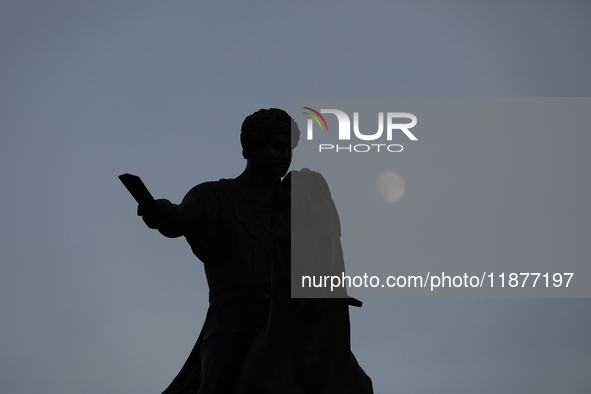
[344, 133]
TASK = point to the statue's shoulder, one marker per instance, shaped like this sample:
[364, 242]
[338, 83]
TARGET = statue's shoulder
[306, 179]
[205, 191]
[206, 200]
[219, 195]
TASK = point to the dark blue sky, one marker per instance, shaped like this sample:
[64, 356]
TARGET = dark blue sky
[94, 302]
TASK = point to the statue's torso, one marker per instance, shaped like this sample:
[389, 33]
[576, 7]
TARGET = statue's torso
[234, 241]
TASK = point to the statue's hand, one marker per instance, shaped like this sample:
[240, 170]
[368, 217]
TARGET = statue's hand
[158, 219]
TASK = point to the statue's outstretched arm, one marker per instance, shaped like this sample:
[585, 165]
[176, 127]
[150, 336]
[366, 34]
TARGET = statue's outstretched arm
[173, 220]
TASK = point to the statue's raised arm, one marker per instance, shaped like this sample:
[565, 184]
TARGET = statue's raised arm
[173, 220]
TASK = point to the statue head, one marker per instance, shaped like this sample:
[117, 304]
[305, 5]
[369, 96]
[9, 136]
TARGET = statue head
[259, 127]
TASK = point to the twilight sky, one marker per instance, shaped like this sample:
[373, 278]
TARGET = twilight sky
[92, 301]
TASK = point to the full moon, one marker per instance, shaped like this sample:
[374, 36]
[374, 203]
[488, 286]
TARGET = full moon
[390, 186]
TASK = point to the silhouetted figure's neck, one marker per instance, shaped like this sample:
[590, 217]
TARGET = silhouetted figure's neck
[258, 186]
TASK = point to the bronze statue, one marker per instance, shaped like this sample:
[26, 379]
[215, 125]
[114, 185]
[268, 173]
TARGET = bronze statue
[228, 226]
[256, 339]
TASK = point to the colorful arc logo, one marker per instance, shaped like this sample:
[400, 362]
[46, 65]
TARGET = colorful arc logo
[316, 118]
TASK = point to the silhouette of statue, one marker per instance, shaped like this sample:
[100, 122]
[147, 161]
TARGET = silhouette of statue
[227, 223]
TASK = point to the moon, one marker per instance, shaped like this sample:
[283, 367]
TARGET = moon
[390, 186]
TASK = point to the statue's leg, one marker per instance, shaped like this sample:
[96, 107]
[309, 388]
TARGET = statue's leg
[222, 360]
